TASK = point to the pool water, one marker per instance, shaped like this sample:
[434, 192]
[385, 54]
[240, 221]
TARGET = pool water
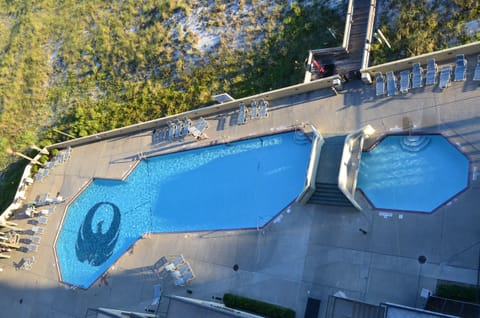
[232, 186]
[413, 173]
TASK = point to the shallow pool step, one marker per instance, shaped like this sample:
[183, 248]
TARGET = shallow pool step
[414, 143]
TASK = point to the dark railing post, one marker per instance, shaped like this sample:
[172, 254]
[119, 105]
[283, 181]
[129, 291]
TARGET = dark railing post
[477, 292]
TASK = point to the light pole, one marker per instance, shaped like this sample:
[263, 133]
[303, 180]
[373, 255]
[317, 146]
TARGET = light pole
[384, 38]
[42, 151]
[62, 133]
[15, 153]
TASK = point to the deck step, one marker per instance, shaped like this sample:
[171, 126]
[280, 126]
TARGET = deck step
[328, 194]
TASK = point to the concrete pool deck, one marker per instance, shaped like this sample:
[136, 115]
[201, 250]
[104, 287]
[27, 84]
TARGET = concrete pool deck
[311, 251]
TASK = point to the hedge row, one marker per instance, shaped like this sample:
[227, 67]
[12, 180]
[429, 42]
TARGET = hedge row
[257, 307]
[458, 292]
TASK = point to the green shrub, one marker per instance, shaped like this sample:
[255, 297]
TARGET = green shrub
[53, 152]
[43, 159]
[458, 292]
[34, 169]
[257, 307]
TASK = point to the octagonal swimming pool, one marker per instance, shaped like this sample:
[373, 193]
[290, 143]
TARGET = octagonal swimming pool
[238, 185]
[412, 173]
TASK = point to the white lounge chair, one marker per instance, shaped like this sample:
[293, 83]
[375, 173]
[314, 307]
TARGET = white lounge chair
[417, 78]
[195, 132]
[27, 263]
[157, 296]
[445, 76]
[38, 230]
[253, 109]
[379, 84]
[29, 212]
[432, 69]
[391, 84]
[36, 239]
[43, 171]
[178, 128]
[184, 268]
[32, 247]
[43, 199]
[43, 220]
[171, 130]
[185, 279]
[68, 152]
[198, 129]
[242, 114]
[176, 274]
[263, 112]
[185, 126]
[48, 211]
[63, 156]
[460, 68]
[172, 266]
[158, 135]
[405, 81]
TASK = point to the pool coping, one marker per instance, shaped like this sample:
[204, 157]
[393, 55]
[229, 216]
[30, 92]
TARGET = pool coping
[380, 138]
[127, 174]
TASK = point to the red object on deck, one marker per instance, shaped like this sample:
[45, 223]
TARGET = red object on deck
[319, 67]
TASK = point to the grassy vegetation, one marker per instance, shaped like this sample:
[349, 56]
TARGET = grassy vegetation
[416, 27]
[90, 66]
[257, 307]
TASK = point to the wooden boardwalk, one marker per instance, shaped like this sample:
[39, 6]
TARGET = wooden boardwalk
[349, 64]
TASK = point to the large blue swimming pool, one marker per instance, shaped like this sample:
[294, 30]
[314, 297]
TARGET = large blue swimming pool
[413, 173]
[230, 186]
